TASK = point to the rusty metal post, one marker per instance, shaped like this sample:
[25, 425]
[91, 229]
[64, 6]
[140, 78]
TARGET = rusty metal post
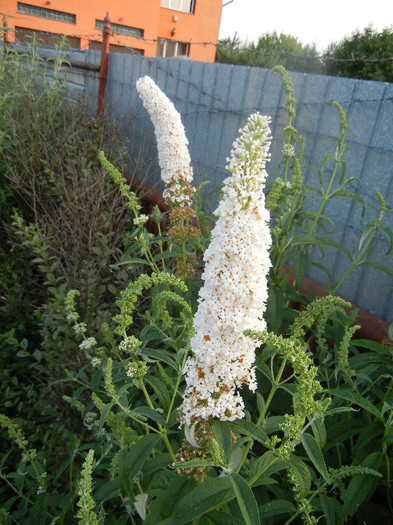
[104, 65]
[5, 27]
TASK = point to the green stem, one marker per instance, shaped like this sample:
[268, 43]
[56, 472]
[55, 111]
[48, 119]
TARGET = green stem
[40, 480]
[275, 386]
[161, 248]
[277, 263]
[179, 377]
[290, 520]
[21, 495]
[161, 429]
[354, 264]
[273, 390]
[387, 463]
[326, 196]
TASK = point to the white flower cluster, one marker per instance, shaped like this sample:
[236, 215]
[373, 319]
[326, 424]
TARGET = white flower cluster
[173, 155]
[235, 286]
[88, 343]
[289, 151]
[141, 220]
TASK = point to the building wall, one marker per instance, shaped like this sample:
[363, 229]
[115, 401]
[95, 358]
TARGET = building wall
[200, 27]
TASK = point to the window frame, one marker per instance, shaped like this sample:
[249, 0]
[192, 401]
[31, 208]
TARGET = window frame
[165, 41]
[191, 11]
[44, 12]
[121, 29]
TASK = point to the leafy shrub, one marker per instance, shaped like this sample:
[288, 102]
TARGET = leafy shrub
[315, 440]
[371, 51]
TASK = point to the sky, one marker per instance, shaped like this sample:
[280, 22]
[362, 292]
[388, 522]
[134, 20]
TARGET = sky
[311, 21]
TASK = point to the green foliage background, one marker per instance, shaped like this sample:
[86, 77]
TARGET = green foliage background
[366, 54]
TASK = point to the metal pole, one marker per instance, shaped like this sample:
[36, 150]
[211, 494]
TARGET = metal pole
[5, 26]
[104, 65]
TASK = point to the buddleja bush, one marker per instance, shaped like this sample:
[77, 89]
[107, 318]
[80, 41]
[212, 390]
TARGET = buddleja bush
[196, 413]
[300, 233]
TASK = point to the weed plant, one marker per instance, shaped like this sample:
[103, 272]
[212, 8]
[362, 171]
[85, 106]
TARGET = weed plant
[314, 442]
[62, 226]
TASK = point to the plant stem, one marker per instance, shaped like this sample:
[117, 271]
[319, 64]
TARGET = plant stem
[325, 197]
[264, 410]
[387, 463]
[354, 264]
[176, 389]
[160, 427]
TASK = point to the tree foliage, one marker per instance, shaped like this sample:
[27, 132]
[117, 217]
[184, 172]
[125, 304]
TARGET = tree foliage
[366, 50]
[272, 49]
[366, 54]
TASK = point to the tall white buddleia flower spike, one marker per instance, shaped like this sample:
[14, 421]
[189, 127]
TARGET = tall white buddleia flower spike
[233, 297]
[173, 155]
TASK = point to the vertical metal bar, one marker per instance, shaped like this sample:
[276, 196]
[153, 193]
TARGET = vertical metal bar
[6, 26]
[104, 65]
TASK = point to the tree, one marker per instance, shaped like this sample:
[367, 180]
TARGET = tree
[367, 54]
[272, 49]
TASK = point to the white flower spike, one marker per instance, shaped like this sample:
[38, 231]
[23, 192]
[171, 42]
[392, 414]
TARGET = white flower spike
[234, 294]
[173, 155]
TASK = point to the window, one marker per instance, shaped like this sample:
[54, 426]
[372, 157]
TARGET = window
[114, 48]
[170, 48]
[121, 29]
[42, 12]
[187, 6]
[25, 36]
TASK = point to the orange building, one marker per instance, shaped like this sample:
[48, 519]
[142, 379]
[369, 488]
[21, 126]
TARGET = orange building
[148, 27]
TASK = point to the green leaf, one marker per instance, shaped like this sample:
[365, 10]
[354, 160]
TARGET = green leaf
[223, 435]
[302, 474]
[389, 234]
[246, 499]
[107, 491]
[311, 446]
[167, 254]
[216, 517]
[378, 266]
[366, 232]
[131, 461]
[162, 506]
[260, 402]
[160, 389]
[129, 262]
[388, 437]
[156, 463]
[151, 414]
[141, 505]
[201, 499]
[247, 428]
[104, 412]
[341, 430]
[264, 466]
[369, 433]
[276, 507]
[349, 195]
[272, 424]
[159, 355]
[370, 345]
[327, 505]
[319, 431]
[356, 399]
[360, 486]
